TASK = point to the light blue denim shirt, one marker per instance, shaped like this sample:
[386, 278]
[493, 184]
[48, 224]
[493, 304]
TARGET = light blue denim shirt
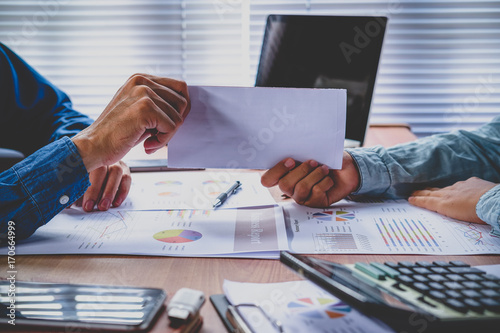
[435, 161]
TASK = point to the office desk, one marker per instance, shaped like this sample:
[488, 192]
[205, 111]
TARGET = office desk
[206, 274]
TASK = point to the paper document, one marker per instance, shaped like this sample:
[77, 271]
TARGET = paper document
[391, 226]
[383, 227]
[161, 233]
[194, 190]
[256, 127]
[300, 306]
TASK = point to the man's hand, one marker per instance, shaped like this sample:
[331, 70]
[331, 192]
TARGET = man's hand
[457, 201]
[109, 187]
[146, 108]
[312, 184]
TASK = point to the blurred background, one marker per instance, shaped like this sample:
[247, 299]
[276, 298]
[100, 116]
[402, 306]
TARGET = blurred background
[439, 70]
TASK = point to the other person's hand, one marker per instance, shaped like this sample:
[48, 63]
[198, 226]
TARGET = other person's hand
[146, 107]
[312, 184]
[457, 201]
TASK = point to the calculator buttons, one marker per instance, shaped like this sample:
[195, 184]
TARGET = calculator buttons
[454, 284]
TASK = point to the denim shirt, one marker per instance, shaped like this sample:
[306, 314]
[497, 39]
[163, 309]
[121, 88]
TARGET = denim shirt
[435, 161]
[34, 190]
[37, 119]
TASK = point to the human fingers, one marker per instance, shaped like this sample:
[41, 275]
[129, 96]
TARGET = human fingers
[304, 188]
[97, 178]
[320, 196]
[427, 192]
[110, 186]
[289, 181]
[178, 86]
[427, 202]
[157, 120]
[171, 90]
[162, 133]
[123, 189]
[272, 176]
[174, 92]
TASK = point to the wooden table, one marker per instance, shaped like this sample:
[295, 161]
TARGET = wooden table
[206, 274]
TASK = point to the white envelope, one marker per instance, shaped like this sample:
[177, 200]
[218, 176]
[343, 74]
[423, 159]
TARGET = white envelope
[256, 127]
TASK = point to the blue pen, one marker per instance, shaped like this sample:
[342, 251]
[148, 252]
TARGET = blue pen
[224, 195]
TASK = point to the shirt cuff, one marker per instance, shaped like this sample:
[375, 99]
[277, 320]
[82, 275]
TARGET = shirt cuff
[52, 179]
[374, 177]
[488, 209]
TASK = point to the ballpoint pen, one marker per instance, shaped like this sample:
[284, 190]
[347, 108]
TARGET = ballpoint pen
[224, 195]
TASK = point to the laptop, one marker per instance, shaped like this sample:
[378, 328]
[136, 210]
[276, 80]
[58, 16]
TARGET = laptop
[307, 51]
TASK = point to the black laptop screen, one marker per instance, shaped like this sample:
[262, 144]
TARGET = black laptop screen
[305, 51]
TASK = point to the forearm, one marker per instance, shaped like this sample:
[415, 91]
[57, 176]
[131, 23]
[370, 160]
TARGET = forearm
[435, 161]
[36, 189]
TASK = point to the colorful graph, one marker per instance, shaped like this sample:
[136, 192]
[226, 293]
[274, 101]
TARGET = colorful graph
[113, 224]
[406, 234]
[324, 216]
[168, 182]
[168, 194]
[177, 236]
[189, 213]
[342, 216]
[207, 182]
[319, 308]
[472, 234]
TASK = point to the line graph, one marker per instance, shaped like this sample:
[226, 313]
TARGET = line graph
[111, 224]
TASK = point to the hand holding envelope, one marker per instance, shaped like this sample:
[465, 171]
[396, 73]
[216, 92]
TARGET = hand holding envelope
[256, 127]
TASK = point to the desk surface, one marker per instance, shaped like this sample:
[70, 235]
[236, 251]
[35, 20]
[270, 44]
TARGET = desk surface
[206, 274]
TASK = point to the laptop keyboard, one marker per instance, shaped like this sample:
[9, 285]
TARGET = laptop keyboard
[454, 284]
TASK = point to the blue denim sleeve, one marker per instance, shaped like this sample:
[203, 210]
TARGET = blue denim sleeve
[488, 209]
[37, 188]
[434, 161]
[34, 112]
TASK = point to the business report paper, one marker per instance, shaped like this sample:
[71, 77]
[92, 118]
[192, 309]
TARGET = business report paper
[383, 227]
[194, 190]
[185, 233]
[256, 127]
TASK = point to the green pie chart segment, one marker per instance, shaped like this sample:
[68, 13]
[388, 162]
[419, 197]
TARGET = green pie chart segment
[177, 236]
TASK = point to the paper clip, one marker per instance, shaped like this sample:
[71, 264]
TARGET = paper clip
[242, 325]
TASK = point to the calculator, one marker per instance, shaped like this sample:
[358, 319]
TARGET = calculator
[419, 296]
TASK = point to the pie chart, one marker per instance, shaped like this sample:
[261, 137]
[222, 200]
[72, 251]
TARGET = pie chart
[319, 308]
[177, 236]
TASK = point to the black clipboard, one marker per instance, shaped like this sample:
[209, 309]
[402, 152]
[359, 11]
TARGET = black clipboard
[220, 304]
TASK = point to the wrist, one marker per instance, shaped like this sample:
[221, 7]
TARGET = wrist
[85, 147]
[349, 164]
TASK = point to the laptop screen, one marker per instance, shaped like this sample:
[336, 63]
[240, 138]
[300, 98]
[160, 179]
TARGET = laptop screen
[305, 51]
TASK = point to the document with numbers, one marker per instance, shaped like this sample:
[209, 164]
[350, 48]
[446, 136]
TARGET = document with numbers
[390, 226]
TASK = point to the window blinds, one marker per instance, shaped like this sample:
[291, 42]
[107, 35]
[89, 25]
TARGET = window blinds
[439, 70]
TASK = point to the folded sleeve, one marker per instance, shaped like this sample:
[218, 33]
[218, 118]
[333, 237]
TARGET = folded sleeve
[488, 209]
[434, 161]
[40, 186]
